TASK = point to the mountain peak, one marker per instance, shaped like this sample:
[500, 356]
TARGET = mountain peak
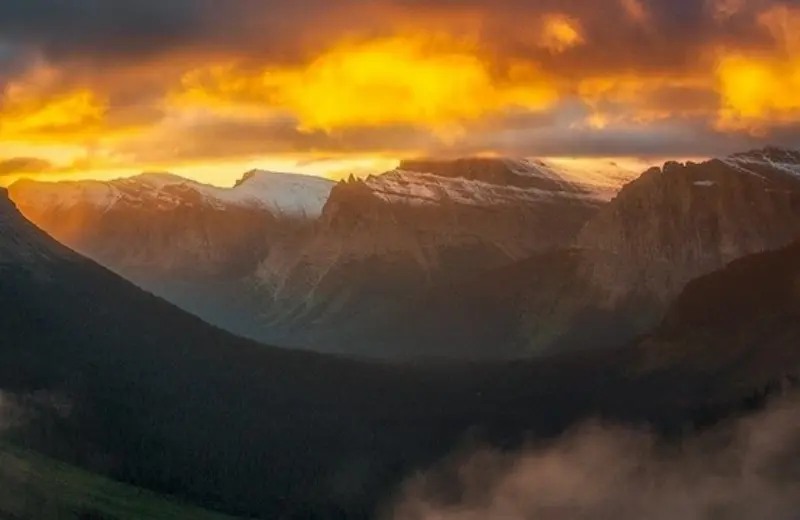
[291, 194]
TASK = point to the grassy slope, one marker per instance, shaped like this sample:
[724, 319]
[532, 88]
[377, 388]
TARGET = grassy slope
[33, 486]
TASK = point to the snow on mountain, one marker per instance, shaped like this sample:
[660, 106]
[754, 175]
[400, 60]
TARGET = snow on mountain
[497, 182]
[426, 188]
[280, 193]
[776, 159]
[290, 194]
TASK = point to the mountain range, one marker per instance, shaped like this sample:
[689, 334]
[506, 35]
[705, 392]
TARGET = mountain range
[298, 260]
[469, 258]
[122, 383]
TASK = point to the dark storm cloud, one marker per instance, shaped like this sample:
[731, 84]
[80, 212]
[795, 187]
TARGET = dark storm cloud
[97, 27]
[134, 29]
[137, 29]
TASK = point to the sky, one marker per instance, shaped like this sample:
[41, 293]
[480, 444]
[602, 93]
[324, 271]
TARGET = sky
[212, 88]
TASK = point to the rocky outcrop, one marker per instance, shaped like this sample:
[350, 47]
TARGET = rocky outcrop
[684, 220]
[627, 265]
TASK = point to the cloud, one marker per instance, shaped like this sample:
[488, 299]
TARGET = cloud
[429, 81]
[112, 75]
[747, 472]
[24, 165]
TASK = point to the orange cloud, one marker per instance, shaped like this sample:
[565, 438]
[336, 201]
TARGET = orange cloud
[631, 98]
[35, 108]
[397, 77]
[559, 33]
[435, 82]
[761, 89]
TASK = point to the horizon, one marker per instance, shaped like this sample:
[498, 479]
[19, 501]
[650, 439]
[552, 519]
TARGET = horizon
[226, 175]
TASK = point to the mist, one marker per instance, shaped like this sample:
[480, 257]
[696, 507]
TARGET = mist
[749, 470]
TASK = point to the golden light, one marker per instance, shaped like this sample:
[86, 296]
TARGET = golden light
[435, 82]
[66, 115]
[760, 89]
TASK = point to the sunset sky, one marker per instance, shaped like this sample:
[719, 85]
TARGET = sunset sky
[211, 88]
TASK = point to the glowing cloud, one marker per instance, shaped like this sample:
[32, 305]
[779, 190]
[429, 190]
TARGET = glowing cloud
[431, 82]
[758, 89]
[35, 108]
[271, 81]
[560, 33]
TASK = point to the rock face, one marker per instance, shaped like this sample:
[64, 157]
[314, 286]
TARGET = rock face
[625, 268]
[679, 222]
[381, 239]
[675, 224]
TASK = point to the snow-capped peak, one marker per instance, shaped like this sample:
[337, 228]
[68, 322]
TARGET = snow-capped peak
[498, 181]
[285, 194]
[779, 159]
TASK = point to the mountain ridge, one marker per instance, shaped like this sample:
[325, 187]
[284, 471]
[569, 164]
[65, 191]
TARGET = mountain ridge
[628, 264]
[289, 194]
[272, 276]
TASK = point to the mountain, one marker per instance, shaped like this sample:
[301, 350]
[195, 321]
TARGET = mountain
[294, 259]
[117, 381]
[191, 243]
[386, 237]
[162, 223]
[682, 221]
[739, 324]
[626, 266]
